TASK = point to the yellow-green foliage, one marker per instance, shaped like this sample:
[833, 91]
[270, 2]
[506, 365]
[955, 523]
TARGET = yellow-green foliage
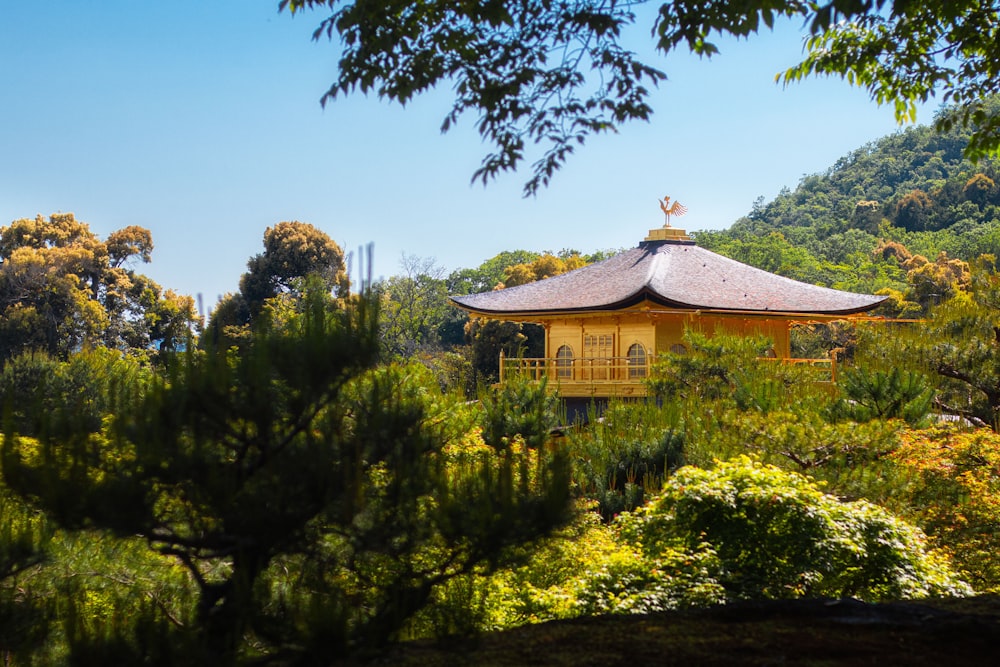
[776, 535]
[532, 590]
[76, 595]
[850, 456]
[631, 581]
[956, 495]
[542, 588]
[25, 538]
[585, 569]
[114, 592]
[738, 530]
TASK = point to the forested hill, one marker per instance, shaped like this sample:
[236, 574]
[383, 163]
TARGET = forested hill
[855, 226]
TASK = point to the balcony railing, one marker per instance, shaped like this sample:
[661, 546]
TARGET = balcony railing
[616, 376]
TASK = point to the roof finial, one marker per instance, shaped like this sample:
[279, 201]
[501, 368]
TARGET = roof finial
[669, 209]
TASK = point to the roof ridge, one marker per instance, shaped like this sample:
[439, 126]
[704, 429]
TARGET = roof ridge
[652, 271]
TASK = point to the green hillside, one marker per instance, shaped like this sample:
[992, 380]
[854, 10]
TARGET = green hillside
[861, 225]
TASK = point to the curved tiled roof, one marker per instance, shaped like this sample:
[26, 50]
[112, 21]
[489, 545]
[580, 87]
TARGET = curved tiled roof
[673, 275]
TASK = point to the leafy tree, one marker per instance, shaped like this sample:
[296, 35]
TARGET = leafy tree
[24, 539]
[34, 386]
[518, 409]
[867, 215]
[308, 494]
[905, 52]
[125, 244]
[721, 366]
[627, 453]
[630, 580]
[490, 274]
[961, 345]
[955, 495]
[826, 240]
[499, 58]
[490, 337]
[885, 394]
[545, 266]
[741, 530]
[980, 189]
[416, 313]
[723, 400]
[913, 210]
[934, 282]
[293, 252]
[61, 287]
[497, 55]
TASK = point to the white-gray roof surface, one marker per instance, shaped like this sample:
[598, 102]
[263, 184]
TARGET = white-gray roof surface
[673, 275]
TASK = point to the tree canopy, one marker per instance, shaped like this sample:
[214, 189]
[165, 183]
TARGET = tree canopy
[314, 498]
[536, 72]
[902, 216]
[62, 287]
[297, 257]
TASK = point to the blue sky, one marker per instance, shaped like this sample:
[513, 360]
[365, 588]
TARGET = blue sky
[200, 120]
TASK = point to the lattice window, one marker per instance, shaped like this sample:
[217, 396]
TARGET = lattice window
[598, 349]
[564, 362]
[599, 346]
[637, 361]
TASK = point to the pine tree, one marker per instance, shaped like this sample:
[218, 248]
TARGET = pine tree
[310, 494]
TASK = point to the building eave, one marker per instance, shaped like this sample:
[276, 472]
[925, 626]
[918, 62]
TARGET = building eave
[667, 274]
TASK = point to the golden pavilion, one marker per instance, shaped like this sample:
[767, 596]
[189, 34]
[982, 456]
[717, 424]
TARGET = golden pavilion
[605, 323]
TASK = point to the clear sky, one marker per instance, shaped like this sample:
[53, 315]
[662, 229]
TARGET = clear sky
[200, 120]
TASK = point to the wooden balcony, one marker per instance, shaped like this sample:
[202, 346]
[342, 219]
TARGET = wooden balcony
[616, 376]
[600, 377]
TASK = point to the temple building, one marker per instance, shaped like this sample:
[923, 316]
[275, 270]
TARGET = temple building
[606, 322]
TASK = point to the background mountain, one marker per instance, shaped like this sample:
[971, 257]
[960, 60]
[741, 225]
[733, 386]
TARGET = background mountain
[859, 225]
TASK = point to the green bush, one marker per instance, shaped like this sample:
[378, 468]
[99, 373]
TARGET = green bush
[776, 535]
[35, 386]
[24, 542]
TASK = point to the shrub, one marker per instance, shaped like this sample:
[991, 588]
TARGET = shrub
[776, 535]
[956, 495]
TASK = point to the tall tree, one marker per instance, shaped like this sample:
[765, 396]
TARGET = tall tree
[903, 52]
[294, 253]
[961, 344]
[416, 314]
[555, 73]
[295, 454]
[62, 287]
[490, 274]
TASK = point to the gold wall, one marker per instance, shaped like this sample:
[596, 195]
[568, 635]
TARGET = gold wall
[612, 336]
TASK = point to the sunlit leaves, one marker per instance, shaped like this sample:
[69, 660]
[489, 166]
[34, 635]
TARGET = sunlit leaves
[530, 73]
[539, 76]
[912, 53]
[298, 258]
[62, 287]
[956, 495]
[777, 535]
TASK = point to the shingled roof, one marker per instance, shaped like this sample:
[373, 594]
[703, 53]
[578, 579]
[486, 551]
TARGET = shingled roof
[671, 274]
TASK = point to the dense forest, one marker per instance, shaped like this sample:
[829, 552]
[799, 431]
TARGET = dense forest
[889, 218]
[323, 467]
